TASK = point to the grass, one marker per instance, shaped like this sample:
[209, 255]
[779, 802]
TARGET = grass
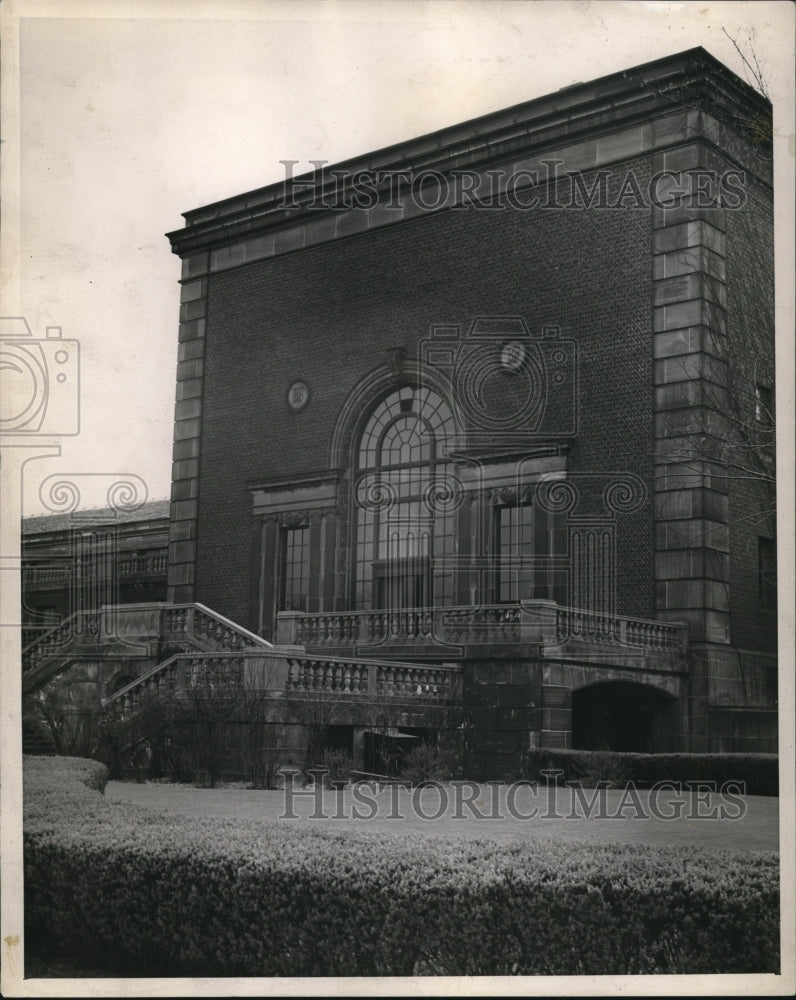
[560, 814]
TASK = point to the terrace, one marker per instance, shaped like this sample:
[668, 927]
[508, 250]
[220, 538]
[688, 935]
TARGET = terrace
[553, 629]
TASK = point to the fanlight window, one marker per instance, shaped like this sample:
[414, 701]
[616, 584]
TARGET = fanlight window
[405, 500]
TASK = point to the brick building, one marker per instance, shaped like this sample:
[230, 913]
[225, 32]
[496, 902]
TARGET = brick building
[483, 375]
[92, 557]
[493, 407]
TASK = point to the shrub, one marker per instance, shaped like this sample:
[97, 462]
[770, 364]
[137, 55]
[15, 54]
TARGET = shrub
[428, 762]
[51, 775]
[335, 767]
[261, 764]
[758, 772]
[164, 895]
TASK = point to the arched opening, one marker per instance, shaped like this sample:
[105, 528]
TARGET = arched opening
[404, 503]
[118, 682]
[623, 716]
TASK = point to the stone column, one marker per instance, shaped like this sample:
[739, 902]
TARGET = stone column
[692, 565]
[187, 430]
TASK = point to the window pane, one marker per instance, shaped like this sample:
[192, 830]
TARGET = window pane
[296, 569]
[401, 439]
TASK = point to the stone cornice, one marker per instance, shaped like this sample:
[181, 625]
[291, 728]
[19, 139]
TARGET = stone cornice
[690, 82]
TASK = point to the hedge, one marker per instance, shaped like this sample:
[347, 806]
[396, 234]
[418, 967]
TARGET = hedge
[163, 895]
[758, 772]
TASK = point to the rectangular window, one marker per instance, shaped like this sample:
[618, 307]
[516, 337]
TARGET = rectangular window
[527, 542]
[296, 568]
[767, 572]
[764, 404]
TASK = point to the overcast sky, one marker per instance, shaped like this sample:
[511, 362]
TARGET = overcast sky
[132, 113]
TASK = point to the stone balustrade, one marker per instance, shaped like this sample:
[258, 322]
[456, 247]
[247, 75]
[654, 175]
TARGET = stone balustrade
[83, 625]
[601, 628]
[192, 624]
[413, 626]
[528, 621]
[336, 675]
[229, 672]
[208, 673]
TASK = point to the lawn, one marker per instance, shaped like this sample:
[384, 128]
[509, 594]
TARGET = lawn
[464, 810]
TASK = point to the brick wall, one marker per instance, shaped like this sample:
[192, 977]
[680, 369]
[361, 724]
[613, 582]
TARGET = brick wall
[328, 314]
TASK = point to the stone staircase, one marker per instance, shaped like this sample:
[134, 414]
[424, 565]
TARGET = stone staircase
[148, 633]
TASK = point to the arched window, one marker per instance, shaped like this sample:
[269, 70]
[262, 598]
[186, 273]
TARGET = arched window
[404, 503]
